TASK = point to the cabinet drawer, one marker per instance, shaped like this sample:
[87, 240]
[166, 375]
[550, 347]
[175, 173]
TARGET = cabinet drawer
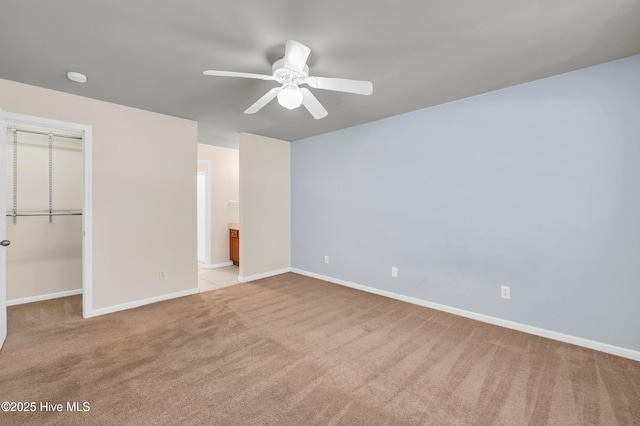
[233, 233]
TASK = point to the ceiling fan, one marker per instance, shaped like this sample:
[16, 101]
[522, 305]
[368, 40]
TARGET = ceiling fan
[292, 71]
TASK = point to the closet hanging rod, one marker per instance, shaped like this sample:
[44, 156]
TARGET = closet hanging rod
[35, 132]
[44, 214]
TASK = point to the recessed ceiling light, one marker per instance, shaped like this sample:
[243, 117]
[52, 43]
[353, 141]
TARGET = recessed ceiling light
[77, 77]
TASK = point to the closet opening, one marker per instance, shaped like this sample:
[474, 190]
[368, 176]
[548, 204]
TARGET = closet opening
[47, 194]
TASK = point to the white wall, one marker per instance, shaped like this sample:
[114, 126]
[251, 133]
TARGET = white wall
[44, 258]
[265, 205]
[144, 193]
[536, 187]
[225, 175]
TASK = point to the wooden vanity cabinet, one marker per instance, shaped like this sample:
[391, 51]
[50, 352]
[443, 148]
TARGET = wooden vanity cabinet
[234, 246]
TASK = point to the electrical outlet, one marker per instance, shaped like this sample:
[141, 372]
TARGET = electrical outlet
[162, 274]
[505, 292]
[394, 272]
[326, 259]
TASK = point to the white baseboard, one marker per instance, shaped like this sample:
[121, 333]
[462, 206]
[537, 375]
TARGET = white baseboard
[219, 265]
[138, 303]
[42, 297]
[579, 341]
[263, 275]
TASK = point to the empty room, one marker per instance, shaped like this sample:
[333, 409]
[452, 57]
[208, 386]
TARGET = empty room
[337, 213]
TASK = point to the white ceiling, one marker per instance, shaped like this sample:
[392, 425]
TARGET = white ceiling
[150, 54]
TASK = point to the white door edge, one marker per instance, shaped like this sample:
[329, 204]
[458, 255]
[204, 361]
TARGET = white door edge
[207, 211]
[3, 233]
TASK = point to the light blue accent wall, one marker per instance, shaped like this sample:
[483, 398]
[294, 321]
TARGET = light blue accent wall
[536, 187]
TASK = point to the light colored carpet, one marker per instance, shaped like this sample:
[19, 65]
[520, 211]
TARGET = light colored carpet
[292, 350]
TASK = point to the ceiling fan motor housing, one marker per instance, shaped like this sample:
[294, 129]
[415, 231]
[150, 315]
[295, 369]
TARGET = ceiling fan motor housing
[286, 75]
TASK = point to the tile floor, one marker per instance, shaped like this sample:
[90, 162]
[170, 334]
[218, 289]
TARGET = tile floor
[213, 279]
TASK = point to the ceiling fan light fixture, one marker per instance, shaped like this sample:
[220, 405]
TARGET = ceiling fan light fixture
[290, 97]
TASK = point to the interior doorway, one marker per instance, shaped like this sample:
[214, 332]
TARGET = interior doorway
[50, 207]
[204, 212]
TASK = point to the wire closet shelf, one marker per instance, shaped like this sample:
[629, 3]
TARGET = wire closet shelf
[16, 128]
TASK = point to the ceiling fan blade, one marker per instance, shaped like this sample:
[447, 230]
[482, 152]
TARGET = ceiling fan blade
[312, 104]
[268, 97]
[341, 85]
[295, 55]
[238, 74]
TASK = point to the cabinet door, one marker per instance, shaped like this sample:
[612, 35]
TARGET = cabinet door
[234, 247]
